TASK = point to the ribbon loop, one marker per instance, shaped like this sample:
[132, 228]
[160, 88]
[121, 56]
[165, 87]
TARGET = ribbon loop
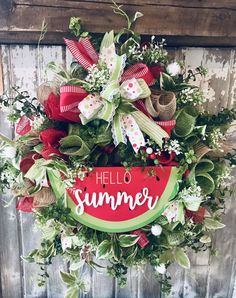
[90, 105]
[70, 97]
[138, 71]
[83, 51]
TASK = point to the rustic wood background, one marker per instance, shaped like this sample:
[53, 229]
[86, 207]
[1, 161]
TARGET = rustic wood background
[209, 276]
[195, 22]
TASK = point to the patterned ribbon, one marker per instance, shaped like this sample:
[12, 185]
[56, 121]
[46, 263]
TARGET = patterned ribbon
[83, 51]
[175, 211]
[139, 70]
[70, 97]
[102, 105]
[128, 86]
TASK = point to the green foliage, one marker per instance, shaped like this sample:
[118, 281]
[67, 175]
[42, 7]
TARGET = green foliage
[19, 103]
[74, 284]
[181, 258]
[212, 224]
[167, 83]
[76, 27]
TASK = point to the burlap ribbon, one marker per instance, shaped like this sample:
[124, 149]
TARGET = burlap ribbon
[44, 198]
[201, 149]
[44, 90]
[161, 104]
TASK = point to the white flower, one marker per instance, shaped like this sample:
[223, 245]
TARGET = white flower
[156, 230]
[173, 69]
[173, 146]
[161, 268]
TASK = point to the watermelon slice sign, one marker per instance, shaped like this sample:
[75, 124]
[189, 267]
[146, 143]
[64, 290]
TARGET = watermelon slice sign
[112, 199]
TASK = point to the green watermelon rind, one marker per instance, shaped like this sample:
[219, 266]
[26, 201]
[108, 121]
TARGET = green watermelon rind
[140, 221]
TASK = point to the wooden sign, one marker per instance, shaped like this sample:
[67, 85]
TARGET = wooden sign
[112, 199]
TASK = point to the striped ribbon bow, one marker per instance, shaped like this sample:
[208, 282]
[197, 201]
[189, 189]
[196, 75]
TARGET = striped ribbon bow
[115, 103]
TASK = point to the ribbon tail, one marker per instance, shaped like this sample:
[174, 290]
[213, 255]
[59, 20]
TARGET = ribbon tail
[148, 126]
[133, 132]
[118, 130]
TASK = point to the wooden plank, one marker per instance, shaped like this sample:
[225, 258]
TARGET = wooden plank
[55, 286]
[25, 76]
[10, 244]
[195, 279]
[44, 55]
[177, 281]
[101, 282]
[132, 286]
[148, 285]
[87, 276]
[222, 269]
[191, 24]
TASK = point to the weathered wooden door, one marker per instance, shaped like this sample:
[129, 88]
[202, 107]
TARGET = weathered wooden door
[209, 276]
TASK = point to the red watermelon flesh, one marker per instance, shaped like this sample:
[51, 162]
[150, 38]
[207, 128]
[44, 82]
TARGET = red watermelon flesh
[116, 179]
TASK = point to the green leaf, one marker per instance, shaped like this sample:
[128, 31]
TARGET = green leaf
[205, 239]
[131, 257]
[175, 238]
[137, 15]
[72, 292]
[50, 251]
[77, 265]
[181, 258]
[128, 240]
[116, 250]
[166, 82]
[167, 257]
[67, 278]
[213, 224]
[38, 148]
[104, 249]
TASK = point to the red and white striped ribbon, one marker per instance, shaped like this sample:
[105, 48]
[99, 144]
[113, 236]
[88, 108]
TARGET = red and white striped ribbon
[139, 70]
[83, 51]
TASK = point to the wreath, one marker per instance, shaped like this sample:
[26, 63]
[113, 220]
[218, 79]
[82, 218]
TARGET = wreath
[117, 158]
